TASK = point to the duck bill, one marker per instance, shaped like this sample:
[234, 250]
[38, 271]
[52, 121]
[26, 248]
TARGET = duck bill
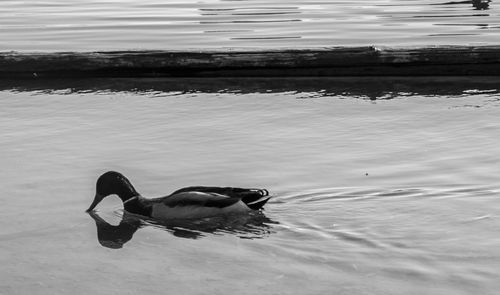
[97, 199]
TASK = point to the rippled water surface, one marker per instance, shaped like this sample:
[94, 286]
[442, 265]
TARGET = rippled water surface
[82, 25]
[380, 186]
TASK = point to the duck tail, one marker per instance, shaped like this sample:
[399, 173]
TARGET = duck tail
[256, 205]
[255, 198]
[252, 195]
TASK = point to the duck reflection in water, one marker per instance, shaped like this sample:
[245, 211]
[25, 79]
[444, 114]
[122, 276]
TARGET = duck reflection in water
[252, 226]
[477, 4]
[481, 4]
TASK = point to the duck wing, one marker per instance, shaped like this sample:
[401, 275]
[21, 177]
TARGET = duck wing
[247, 195]
[198, 199]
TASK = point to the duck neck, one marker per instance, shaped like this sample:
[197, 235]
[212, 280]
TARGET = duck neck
[131, 203]
[136, 205]
[127, 193]
[130, 199]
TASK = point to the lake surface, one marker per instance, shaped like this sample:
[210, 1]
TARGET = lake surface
[86, 25]
[380, 186]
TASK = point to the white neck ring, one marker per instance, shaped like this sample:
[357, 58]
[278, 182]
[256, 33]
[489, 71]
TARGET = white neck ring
[129, 200]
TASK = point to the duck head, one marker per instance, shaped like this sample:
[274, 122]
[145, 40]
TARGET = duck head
[112, 183]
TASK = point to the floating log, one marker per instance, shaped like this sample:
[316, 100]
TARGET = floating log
[338, 61]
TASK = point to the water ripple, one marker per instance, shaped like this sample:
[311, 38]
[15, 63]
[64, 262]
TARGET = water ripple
[152, 24]
[354, 194]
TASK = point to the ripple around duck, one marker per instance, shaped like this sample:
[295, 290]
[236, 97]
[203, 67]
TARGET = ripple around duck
[347, 194]
[380, 218]
[367, 219]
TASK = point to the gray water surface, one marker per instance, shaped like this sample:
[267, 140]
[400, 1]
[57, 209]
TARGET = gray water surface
[394, 193]
[86, 25]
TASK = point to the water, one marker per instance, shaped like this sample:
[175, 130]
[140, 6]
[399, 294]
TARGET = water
[85, 25]
[382, 188]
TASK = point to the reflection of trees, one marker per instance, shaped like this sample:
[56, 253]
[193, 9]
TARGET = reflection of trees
[358, 87]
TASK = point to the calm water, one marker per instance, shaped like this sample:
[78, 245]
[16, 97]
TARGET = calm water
[82, 25]
[382, 188]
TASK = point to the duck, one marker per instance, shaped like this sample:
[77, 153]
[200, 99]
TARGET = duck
[185, 203]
